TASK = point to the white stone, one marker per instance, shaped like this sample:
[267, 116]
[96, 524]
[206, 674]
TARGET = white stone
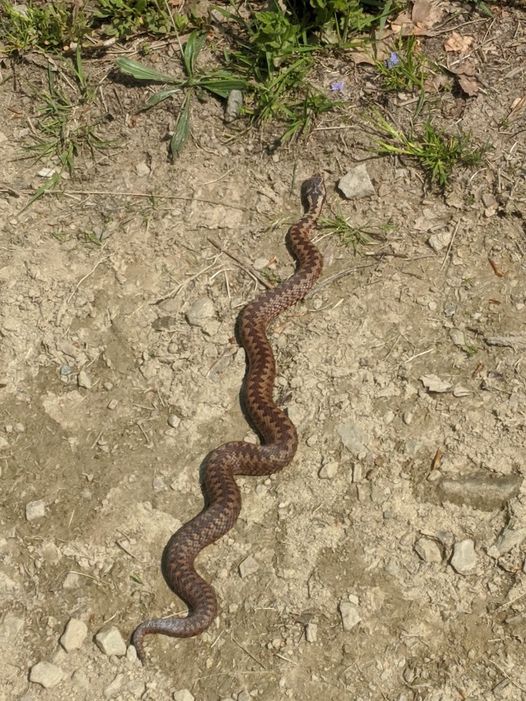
[35, 509]
[433, 383]
[74, 635]
[311, 632]
[183, 695]
[356, 183]
[350, 615]
[71, 581]
[249, 566]
[46, 674]
[111, 642]
[464, 559]
[174, 421]
[83, 380]
[328, 470]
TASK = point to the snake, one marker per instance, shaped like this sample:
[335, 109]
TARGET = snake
[277, 433]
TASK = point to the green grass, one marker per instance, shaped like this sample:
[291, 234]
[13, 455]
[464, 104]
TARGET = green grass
[348, 235]
[47, 27]
[437, 152]
[59, 26]
[63, 127]
[406, 69]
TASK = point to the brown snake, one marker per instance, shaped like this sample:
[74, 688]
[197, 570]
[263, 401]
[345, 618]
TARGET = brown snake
[279, 439]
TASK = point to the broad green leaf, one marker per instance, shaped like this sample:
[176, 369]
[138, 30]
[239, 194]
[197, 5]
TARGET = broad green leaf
[221, 83]
[182, 129]
[191, 51]
[140, 72]
[160, 96]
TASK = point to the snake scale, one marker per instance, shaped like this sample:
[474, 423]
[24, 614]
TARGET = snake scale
[278, 435]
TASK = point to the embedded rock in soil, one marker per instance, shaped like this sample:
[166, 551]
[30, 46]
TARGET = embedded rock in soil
[480, 490]
[46, 674]
[356, 183]
[428, 550]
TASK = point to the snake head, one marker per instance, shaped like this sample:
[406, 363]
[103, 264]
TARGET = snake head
[313, 193]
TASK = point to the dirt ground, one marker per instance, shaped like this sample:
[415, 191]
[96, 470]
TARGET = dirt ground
[388, 561]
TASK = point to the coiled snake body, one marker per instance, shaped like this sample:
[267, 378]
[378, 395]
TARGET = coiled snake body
[278, 438]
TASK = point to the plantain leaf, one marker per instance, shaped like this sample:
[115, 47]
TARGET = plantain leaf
[191, 51]
[160, 96]
[221, 83]
[182, 128]
[140, 72]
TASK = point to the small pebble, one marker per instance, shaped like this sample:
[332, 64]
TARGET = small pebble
[234, 104]
[183, 695]
[142, 169]
[356, 183]
[433, 383]
[200, 311]
[464, 558]
[249, 566]
[71, 581]
[46, 674]
[74, 635]
[328, 470]
[83, 380]
[428, 550]
[35, 509]
[174, 421]
[350, 615]
[111, 642]
[311, 632]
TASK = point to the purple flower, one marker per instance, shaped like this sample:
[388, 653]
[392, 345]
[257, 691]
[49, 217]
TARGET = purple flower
[337, 86]
[393, 60]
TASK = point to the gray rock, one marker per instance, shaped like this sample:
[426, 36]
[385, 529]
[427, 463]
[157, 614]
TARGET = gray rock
[464, 558]
[480, 490]
[35, 509]
[46, 674]
[356, 183]
[439, 241]
[234, 104]
[200, 312]
[74, 635]
[458, 337]
[111, 642]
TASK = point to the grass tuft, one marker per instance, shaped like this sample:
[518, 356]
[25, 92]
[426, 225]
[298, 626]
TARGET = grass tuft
[437, 152]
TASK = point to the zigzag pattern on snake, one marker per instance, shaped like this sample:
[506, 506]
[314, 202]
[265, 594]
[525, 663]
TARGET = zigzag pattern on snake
[279, 439]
